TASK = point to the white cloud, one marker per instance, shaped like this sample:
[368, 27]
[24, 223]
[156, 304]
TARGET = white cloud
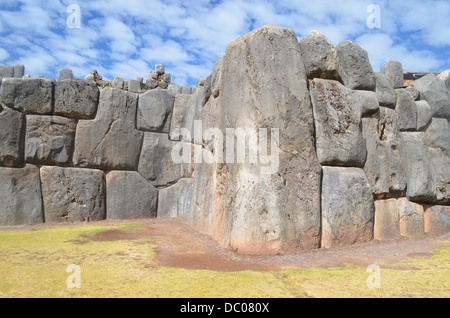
[4, 55]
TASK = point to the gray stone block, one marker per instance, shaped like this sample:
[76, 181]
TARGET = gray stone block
[49, 140]
[130, 196]
[354, 66]
[435, 93]
[394, 72]
[385, 91]
[411, 218]
[118, 83]
[29, 95]
[159, 69]
[437, 219]
[19, 71]
[73, 194]
[339, 139]
[76, 98]
[347, 207]
[155, 111]
[65, 74]
[424, 114]
[12, 137]
[111, 140]
[134, 86]
[387, 220]
[20, 189]
[406, 111]
[367, 102]
[6, 71]
[176, 200]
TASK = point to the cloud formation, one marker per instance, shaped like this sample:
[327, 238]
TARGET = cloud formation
[127, 38]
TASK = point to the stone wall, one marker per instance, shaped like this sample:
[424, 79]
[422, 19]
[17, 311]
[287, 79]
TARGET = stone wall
[360, 156]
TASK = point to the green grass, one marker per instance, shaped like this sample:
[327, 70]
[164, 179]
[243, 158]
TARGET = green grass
[34, 263]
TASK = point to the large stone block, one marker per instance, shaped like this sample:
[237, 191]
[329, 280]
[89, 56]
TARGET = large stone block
[73, 194]
[387, 220]
[76, 98]
[111, 140]
[354, 66]
[319, 56]
[19, 70]
[385, 91]
[394, 72]
[65, 74]
[49, 140]
[6, 71]
[367, 102]
[130, 196]
[29, 95]
[339, 139]
[155, 111]
[156, 163]
[411, 218]
[424, 114]
[20, 189]
[347, 207]
[437, 219]
[406, 111]
[12, 137]
[176, 200]
[435, 93]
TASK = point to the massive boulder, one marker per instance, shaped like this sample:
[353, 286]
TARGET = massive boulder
[387, 220]
[29, 95]
[319, 56]
[435, 93]
[49, 140]
[76, 98]
[20, 189]
[406, 111]
[347, 207]
[385, 91]
[394, 72]
[337, 117]
[130, 196]
[73, 194]
[154, 111]
[367, 102]
[354, 66]
[274, 206]
[411, 218]
[12, 137]
[437, 219]
[110, 141]
[176, 200]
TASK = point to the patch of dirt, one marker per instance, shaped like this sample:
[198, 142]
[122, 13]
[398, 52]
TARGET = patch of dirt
[178, 245]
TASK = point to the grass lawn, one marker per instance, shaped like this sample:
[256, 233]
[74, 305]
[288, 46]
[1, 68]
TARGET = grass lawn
[34, 264]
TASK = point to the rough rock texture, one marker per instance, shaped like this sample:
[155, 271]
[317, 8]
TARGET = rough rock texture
[354, 66]
[252, 212]
[414, 92]
[49, 140]
[387, 220]
[29, 95]
[19, 70]
[394, 72]
[20, 190]
[437, 219]
[385, 91]
[187, 110]
[111, 140]
[176, 200]
[65, 74]
[12, 137]
[435, 93]
[347, 207]
[118, 83]
[319, 56]
[406, 111]
[445, 78]
[6, 71]
[411, 218]
[339, 139]
[177, 89]
[134, 86]
[76, 98]
[73, 194]
[155, 111]
[367, 102]
[129, 196]
[155, 163]
[423, 114]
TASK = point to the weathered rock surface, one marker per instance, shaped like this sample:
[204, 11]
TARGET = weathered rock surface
[445, 78]
[339, 139]
[387, 220]
[73, 194]
[155, 163]
[6, 71]
[49, 140]
[111, 140]
[130, 196]
[261, 82]
[29, 95]
[394, 72]
[176, 200]
[177, 89]
[65, 74]
[20, 189]
[19, 70]
[155, 111]
[76, 98]
[12, 137]
[406, 111]
[319, 56]
[367, 102]
[118, 83]
[354, 66]
[411, 218]
[134, 86]
[385, 91]
[437, 219]
[435, 93]
[423, 114]
[347, 207]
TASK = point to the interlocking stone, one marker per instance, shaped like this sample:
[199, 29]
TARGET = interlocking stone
[12, 137]
[76, 98]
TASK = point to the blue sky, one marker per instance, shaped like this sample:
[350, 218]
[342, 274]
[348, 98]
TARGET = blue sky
[127, 38]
